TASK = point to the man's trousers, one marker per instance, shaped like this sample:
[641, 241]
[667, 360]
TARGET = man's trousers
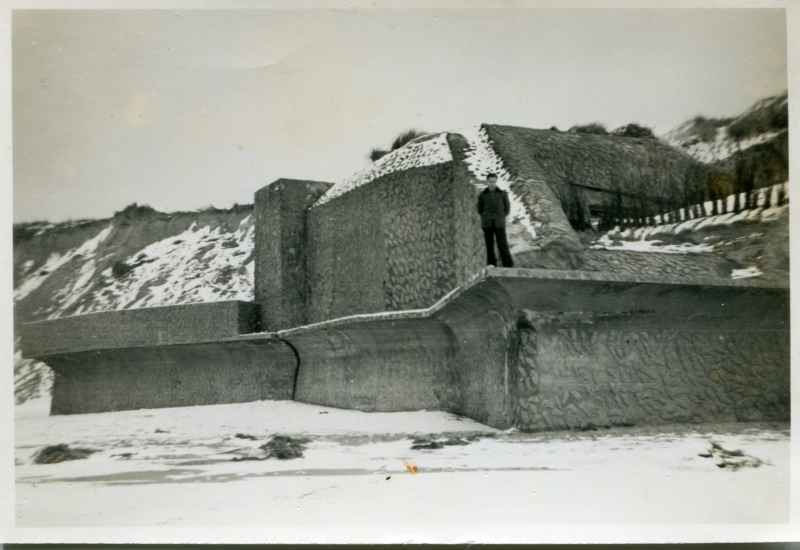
[489, 236]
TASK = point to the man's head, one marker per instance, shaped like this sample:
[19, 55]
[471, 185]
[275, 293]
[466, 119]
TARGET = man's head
[491, 181]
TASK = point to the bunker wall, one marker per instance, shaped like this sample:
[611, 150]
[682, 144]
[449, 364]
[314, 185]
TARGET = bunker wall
[543, 350]
[281, 286]
[390, 244]
[601, 373]
[392, 365]
[600, 350]
[644, 167]
[480, 320]
[535, 349]
[172, 376]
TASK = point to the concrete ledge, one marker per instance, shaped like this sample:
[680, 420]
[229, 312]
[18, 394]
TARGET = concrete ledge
[593, 291]
[605, 276]
[664, 299]
[139, 327]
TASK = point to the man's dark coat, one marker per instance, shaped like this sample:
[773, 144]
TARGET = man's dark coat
[493, 206]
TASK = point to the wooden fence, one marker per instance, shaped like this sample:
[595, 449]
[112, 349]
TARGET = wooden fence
[630, 210]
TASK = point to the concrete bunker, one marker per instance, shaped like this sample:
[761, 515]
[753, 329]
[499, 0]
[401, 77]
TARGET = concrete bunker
[371, 294]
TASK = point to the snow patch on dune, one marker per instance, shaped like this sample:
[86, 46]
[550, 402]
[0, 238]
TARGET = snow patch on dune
[55, 261]
[722, 147]
[202, 264]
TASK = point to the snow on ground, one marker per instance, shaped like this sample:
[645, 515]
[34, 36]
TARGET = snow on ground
[174, 467]
[259, 417]
[646, 239]
[746, 273]
[481, 159]
[419, 152]
[86, 251]
[610, 241]
[202, 264]
[35, 407]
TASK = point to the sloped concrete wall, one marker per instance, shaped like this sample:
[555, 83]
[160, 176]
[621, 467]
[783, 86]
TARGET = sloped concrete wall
[172, 376]
[547, 166]
[139, 327]
[481, 320]
[379, 365]
[641, 166]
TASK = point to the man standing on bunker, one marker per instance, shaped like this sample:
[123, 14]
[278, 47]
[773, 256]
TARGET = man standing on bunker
[494, 206]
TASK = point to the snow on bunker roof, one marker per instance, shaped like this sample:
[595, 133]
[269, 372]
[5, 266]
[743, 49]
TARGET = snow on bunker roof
[427, 150]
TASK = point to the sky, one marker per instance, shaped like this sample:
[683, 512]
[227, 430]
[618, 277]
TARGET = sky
[186, 109]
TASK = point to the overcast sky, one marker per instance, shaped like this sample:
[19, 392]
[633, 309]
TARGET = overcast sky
[181, 110]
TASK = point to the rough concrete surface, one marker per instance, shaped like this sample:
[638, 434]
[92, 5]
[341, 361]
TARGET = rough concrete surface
[542, 349]
[172, 376]
[600, 373]
[643, 167]
[389, 245]
[385, 365]
[280, 258]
